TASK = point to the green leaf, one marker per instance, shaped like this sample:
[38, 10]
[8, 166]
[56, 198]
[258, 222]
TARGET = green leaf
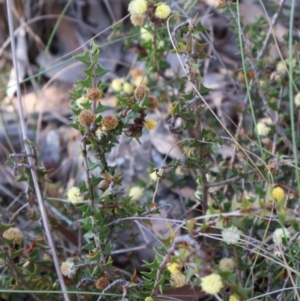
[89, 71]
[17, 253]
[200, 27]
[83, 57]
[100, 70]
[95, 50]
[86, 82]
[22, 178]
[92, 165]
[90, 246]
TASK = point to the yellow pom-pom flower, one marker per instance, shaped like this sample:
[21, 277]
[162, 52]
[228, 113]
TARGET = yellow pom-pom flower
[162, 11]
[227, 265]
[279, 234]
[138, 6]
[297, 100]
[278, 194]
[177, 280]
[136, 193]
[74, 195]
[211, 284]
[117, 83]
[262, 129]
[234, 298]
[149, 299]
[140, 80]
[128, 88]
[150, 124]
[231, 235]
[15, 234]
[174, 268]
[66, 269]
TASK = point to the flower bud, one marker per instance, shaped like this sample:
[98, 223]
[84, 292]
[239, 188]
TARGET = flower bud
[86, 117]
[141, 91]
[109, 122]
[102, 283]
[94, 94]
[153, 102]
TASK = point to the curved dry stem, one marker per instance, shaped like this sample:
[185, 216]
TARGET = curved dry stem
[31, 160]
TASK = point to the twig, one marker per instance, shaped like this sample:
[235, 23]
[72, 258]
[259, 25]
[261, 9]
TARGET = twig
[118, 281]
[91, 193]
[90, 280]
[230, 180]
[85, 264]
[190, 58]
[270, 32]
[30, 159]
[259, 56]
[125, 291]
[260, 91]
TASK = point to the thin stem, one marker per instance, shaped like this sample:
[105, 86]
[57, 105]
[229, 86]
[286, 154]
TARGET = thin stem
[31, 160]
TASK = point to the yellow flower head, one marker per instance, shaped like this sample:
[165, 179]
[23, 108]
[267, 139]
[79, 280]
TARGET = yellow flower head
[128, 88]
[174, 268]
[162, 11]
[262, 129]
[278, 194]
[177, 280]
[140, 80]
[117, 83]
[66, 269]
[74, 195]
[226, 265]
[297, 100]
[211, 284]
[150, 124]
[15, 234]
[149, 299]
[234, 298]
[279, 234]
[136, 193]
[138, 6]
[231, 235]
